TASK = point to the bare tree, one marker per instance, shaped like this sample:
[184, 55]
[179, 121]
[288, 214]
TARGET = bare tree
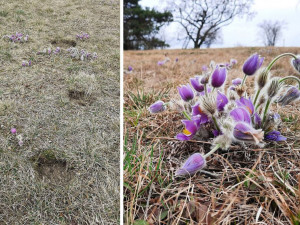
[271, 31]
[202, 19]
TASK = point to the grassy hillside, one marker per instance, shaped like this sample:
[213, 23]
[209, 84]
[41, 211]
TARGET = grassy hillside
[244, 185]
[65, 110]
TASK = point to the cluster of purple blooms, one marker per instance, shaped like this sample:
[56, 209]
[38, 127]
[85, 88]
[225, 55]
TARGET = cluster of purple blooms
[17, 38]
[49, 51]
[82, 54]
[231, 116]
[19, 137]
[82, 36]
[26, 63]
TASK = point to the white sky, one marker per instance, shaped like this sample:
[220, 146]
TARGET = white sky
[243, 32]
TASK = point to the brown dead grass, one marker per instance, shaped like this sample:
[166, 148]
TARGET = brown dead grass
[67, 110]
[244, 185]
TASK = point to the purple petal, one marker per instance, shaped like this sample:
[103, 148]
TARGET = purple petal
[241, 115]
[221, 101]
[194, 163]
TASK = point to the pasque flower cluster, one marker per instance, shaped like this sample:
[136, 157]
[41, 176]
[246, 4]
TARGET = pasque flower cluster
[17, 38]
[81, 54]
[231, 115]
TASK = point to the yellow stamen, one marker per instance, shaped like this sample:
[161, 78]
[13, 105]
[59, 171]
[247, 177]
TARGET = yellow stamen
[200, 110]
[186, 132]
[250, 111]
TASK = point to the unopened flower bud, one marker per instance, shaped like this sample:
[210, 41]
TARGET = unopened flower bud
[193, 164]
[157, 107]
[273, 87]
[262, 78]
[296, 64]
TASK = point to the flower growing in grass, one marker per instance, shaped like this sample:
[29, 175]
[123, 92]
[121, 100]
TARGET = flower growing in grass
[160, 63]
[218, 77]
[204, 68]
[57, 50]
[233, 62]
[274, 136]
[130, 68]
[13, 130]
[83, 55]
[17, 38]
[193, 164]
[252, 64]
[186, 92]
[26, 63]
[157, 107]
[82, 36]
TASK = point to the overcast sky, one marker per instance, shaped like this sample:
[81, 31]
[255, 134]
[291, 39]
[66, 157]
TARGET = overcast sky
[243, 32]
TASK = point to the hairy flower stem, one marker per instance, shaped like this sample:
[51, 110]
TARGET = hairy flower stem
[215, 122]
[256, 96]
[278, 57]
[186, 115]
[244, 79]
[212, 151]
[205, 89]
[266, 110]
[290, 77]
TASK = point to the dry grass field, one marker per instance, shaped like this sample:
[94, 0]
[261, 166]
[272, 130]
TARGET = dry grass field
[66, 111]
[245, 185]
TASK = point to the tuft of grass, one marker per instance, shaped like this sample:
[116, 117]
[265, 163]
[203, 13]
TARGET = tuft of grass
[3, 13]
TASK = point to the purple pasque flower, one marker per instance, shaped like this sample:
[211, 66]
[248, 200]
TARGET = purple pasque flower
[218, 77]
[194, 163]
[195, 82]
[274, 136]
[252, 64]
[158, 106]
[204, 68]
[237, 81]
[130, 68]
[240, 115]
[176, 60]
[186, 92]
[296, 63]
[292, 94]
[13, 130]
[246, 133]
[221, 101]
[233, 62]
[57, 50]
[24, 63]
[160, 63]
[189, 131]
[246, 103]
